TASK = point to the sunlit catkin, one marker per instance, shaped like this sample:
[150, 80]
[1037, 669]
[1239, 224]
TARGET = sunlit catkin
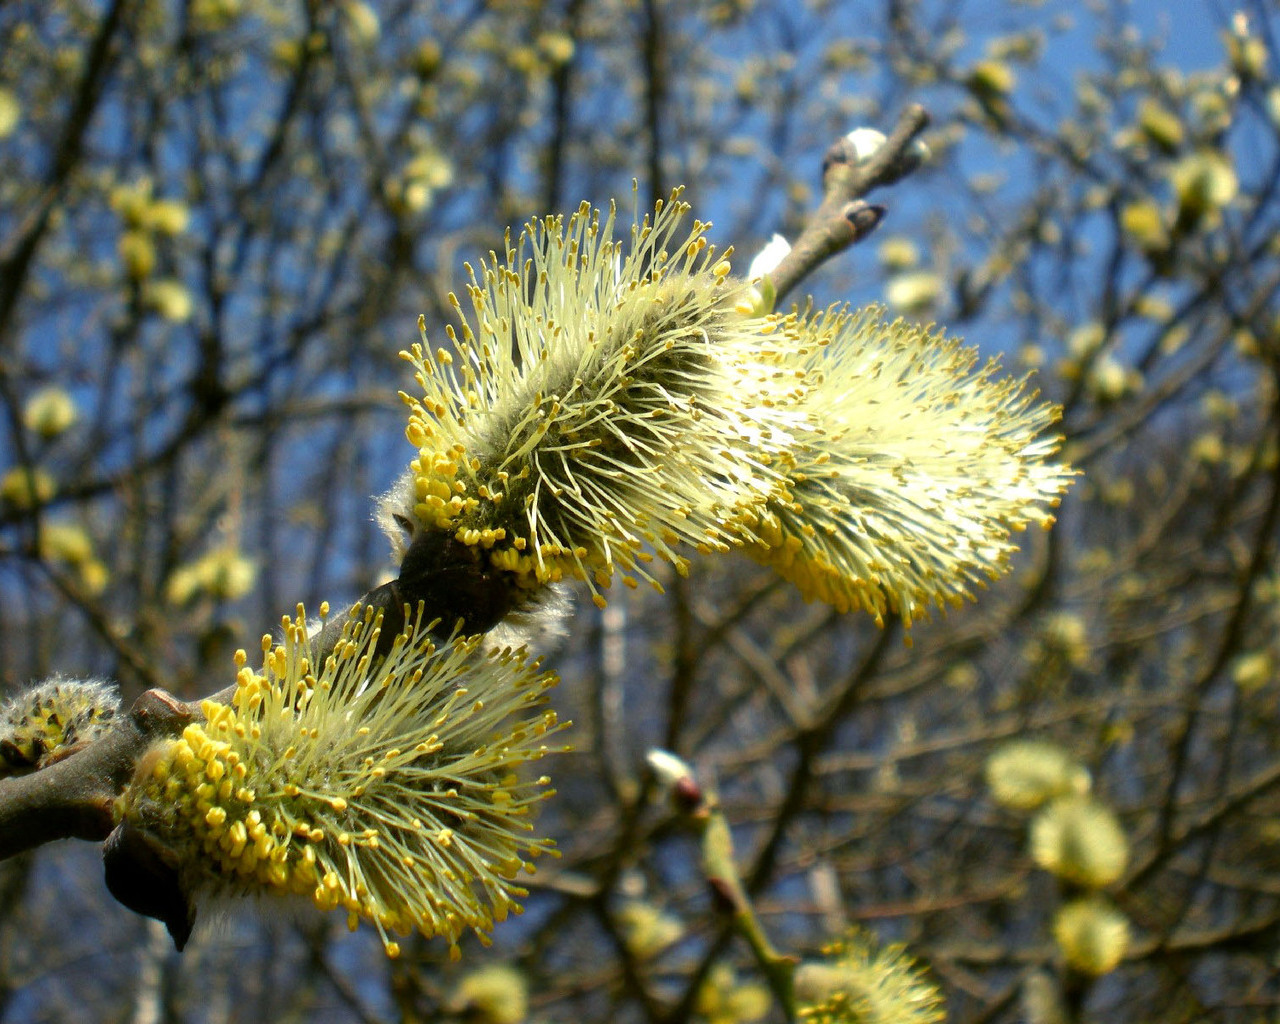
[1079, 839]
[603, 403]
[388, 787]
[918, 465]
[1092, 934]
[1023, 774]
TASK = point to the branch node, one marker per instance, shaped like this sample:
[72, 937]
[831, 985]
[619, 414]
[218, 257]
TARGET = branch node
[863, 218]
[160, 712]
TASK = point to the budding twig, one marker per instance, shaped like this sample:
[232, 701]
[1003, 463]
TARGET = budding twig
[701, 808]
[844, 217]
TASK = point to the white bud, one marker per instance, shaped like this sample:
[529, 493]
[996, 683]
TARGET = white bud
[768, 258]
[865, 142]
[668, 768]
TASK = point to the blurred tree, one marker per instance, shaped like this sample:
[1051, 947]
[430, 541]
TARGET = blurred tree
[219, 220]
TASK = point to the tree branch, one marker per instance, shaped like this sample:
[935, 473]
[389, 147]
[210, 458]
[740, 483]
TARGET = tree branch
[844, 218]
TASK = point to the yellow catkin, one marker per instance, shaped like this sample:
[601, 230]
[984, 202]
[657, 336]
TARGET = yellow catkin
[329, 784]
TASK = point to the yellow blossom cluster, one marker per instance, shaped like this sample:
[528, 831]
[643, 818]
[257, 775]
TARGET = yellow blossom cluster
[858, 982]
[382, 785]
[609, 404]
[917, 466]
[606, 404]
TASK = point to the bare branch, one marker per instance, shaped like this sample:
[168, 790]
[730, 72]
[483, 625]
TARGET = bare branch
[844, 218]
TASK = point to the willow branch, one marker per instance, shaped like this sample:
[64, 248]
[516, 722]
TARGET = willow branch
[844, 217]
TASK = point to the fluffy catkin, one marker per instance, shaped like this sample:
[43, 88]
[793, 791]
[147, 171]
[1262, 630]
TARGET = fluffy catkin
[603, 404]
[52, 719]
[387, 787]
[918, 464]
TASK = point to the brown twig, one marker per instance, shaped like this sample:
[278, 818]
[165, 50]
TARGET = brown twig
[844, 217]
